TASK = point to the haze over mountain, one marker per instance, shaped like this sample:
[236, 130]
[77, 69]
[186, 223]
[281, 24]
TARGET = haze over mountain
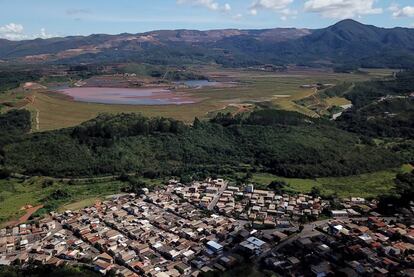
[348, 43]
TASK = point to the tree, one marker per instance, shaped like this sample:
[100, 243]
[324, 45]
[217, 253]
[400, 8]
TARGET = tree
[196, 122]
[277, 186]
[185, 179]
[315, 192]
[404, 194]
[47, 183]
[4, 173]
[135, 185]
[247, 177]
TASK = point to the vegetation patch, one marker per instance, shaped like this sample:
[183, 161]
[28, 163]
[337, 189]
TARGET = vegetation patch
[370, 185]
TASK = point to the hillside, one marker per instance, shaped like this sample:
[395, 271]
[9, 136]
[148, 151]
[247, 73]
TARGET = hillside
[283, 143]
[347, 43]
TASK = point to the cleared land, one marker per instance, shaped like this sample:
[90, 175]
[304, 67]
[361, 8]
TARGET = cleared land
[15, 194]
[55, 111]
[364, 185]
[28, 213]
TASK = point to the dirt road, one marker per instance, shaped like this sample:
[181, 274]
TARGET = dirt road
[24, 217]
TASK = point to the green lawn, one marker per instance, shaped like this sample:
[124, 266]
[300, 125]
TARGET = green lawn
[364, 185]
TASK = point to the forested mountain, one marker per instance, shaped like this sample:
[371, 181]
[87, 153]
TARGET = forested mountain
[345, 43]
[284, 143]
[381, 108]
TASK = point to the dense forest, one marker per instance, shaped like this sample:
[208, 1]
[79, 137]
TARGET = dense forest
[13, 125]
[382, 108]
[402, 196]
[13, 79]
[284, 143]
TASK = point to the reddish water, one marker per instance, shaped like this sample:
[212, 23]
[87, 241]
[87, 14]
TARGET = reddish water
[131, 96]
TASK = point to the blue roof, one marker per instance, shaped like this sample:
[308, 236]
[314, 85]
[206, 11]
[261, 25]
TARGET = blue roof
[214, 245]
[256, 241]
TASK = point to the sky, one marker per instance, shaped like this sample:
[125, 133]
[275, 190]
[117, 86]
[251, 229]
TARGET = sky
[29, 19]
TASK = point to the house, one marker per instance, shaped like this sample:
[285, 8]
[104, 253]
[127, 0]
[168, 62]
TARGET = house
[183, 268]
[339, 214]
[253, 245]
[321, 270]
[102, 266]
[215, 247]
[279, 236]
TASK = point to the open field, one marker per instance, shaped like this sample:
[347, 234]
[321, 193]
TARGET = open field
[28, 212]
[80, 204]
[53, 111]
[337, 101]
[364, 185]
[15, 194]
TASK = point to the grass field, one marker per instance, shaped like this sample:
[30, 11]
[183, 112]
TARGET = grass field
[364, 185]
[15, 194]
[54, 111]
[337, 101]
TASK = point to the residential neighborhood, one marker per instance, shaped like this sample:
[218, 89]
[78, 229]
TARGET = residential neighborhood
[211, 226]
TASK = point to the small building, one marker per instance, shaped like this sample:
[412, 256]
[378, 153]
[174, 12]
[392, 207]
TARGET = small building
[250, 188]
[339, 214]
[215, 247]
[253, 245]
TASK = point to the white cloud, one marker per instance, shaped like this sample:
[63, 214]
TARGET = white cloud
[407, 11]
[210, 4]
[238, 16]
[12, 28]
[288, 13]
[13, 31]
[340, 9]
[43, 34]
[271, 4]
[279, 6]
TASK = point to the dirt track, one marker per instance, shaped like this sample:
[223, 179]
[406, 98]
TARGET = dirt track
[24, 217]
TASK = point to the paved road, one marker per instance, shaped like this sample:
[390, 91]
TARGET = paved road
[309, 230]
[216, 198]
[80, 180]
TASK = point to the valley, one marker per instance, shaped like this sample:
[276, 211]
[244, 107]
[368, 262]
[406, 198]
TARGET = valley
[264, 152]
[238, 88]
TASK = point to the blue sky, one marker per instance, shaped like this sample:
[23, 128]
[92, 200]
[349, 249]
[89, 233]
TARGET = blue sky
[26, 19]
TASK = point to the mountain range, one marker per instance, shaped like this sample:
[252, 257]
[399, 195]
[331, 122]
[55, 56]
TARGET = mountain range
[347, 43]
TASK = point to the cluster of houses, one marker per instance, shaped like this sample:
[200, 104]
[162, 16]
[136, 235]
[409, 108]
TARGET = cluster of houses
[44, 242]
[152, 236]
[363, 247]
[185, 230]
[264, 208]
[155, 234]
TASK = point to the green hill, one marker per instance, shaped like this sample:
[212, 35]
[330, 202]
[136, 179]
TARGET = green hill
[283, 143]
